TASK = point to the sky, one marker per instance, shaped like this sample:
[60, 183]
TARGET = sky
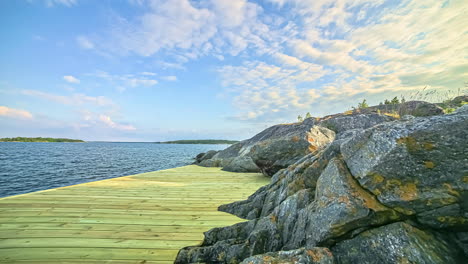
[153, 70]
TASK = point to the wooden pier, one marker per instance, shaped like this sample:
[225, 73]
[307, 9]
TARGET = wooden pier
[144, 218]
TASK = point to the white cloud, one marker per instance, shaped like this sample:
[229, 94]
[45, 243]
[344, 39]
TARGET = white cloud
[299, 54]
[67, 3]
[108, 122]
[124, 81]
[71, 79]
[148, 73]
[84, 42]
[74, 99]
[169, 78]
[15, 113]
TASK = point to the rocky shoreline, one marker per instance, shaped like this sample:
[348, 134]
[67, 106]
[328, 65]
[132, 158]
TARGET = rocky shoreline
[366, 186]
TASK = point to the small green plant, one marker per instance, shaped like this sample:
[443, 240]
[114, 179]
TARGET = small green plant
[395, 100]
[308, 115]
[300, 118]
[363, 104]
[449, 110]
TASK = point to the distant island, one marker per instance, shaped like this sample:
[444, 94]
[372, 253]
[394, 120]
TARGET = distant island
[39, 139]
[203, 141]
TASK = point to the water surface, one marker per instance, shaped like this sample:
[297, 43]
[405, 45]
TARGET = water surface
[28, 166]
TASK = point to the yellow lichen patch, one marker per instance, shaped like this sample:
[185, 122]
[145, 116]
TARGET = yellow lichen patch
[377, 192]
[312, 148]
[452, 220]
[273, 218]
[344, 199]
[429, 164]
[376, 178]
[403, 260]
[410, 143]
[451, 190]
[394, 115]
[295, 139]
[349, 112]
[221, 256]
[314, 254]
[405, 211]
[465, 179]
[428, 146]
[368, 200]
[296, 185]
[408, 192]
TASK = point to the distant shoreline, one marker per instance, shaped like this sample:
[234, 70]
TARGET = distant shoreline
[41, 139]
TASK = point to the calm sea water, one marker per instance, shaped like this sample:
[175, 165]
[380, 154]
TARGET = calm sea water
[28, 167]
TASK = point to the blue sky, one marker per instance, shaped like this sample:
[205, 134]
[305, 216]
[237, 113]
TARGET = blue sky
[142, 70]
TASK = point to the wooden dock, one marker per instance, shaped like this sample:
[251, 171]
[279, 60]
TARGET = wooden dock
[144, 218]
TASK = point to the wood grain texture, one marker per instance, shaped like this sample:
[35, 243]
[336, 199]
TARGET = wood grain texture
[142, 218]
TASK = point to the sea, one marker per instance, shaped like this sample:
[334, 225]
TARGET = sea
[33, 166]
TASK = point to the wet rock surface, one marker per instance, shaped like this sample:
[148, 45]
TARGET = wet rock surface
[375, 190]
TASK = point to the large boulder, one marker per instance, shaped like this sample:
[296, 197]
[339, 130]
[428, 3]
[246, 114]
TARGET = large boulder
[280, 146]
[205, 156]
[279, 150]
[414, 108]
[341, 123]
[273, 149]
[419, 167]
[354, 188]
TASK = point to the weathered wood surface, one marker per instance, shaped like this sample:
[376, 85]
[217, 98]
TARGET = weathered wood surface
[144, 218]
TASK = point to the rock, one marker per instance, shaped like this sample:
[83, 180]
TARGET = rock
[419, 108]
[278, 152]
[298, 256]
[242, 164]
[460, 100]
[280, 146]
[414, 108]
[397, 243]
[344, 122]
[198, 158]
[273, 149]
[380, 193]
[205, 156]
[462, 109]
[418, 167]
[339, 208]
[455, 102]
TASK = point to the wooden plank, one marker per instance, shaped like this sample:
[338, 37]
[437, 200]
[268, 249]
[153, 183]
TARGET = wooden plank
[103, 227]
[60, 242]
[92, 214]
[142, 218]
[182, 235]
[12, 254]
[107, 211]
[86, 261]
